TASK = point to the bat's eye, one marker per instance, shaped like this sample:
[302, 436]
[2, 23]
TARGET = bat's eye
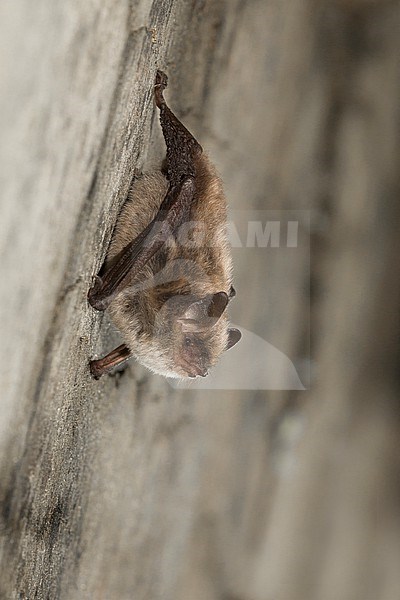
[187, 341]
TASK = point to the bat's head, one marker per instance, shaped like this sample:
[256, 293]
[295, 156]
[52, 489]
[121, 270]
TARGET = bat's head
[188, 337]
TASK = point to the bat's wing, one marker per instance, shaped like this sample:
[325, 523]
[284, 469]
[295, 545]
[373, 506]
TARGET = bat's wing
[182, 151]
[174, 211]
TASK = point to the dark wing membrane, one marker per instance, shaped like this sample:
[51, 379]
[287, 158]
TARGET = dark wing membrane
[174, 211]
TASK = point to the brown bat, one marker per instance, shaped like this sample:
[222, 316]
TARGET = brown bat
[167, 277]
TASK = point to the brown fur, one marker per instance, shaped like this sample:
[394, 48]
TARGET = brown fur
[167, 291]
[194, 271]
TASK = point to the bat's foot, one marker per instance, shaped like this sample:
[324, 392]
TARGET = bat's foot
[159, 86]
[161, 79]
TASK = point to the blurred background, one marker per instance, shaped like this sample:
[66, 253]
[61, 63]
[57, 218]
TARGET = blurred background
[275, 487]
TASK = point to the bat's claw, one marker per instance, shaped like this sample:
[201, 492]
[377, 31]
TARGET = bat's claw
[95, 294]
[159, 86]
[96, 370]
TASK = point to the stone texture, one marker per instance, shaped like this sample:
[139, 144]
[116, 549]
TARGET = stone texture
[128, 488]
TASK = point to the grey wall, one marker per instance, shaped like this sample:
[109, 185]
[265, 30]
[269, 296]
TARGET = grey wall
[127, 487]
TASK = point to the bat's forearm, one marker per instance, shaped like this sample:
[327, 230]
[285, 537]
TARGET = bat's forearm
[173, 212]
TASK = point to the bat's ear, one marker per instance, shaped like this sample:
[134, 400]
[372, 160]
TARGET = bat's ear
[217, 305]
[205, 313]
[234, 336]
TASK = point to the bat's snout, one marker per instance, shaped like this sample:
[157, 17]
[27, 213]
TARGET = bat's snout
[203, 372]
[193, 370]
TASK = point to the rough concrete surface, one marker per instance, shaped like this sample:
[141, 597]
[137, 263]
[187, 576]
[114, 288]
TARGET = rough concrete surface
[129, 488]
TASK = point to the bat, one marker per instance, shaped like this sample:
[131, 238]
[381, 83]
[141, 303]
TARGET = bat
[167, 278]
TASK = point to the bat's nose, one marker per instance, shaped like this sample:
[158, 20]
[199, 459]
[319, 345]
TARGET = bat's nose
[198, 372]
